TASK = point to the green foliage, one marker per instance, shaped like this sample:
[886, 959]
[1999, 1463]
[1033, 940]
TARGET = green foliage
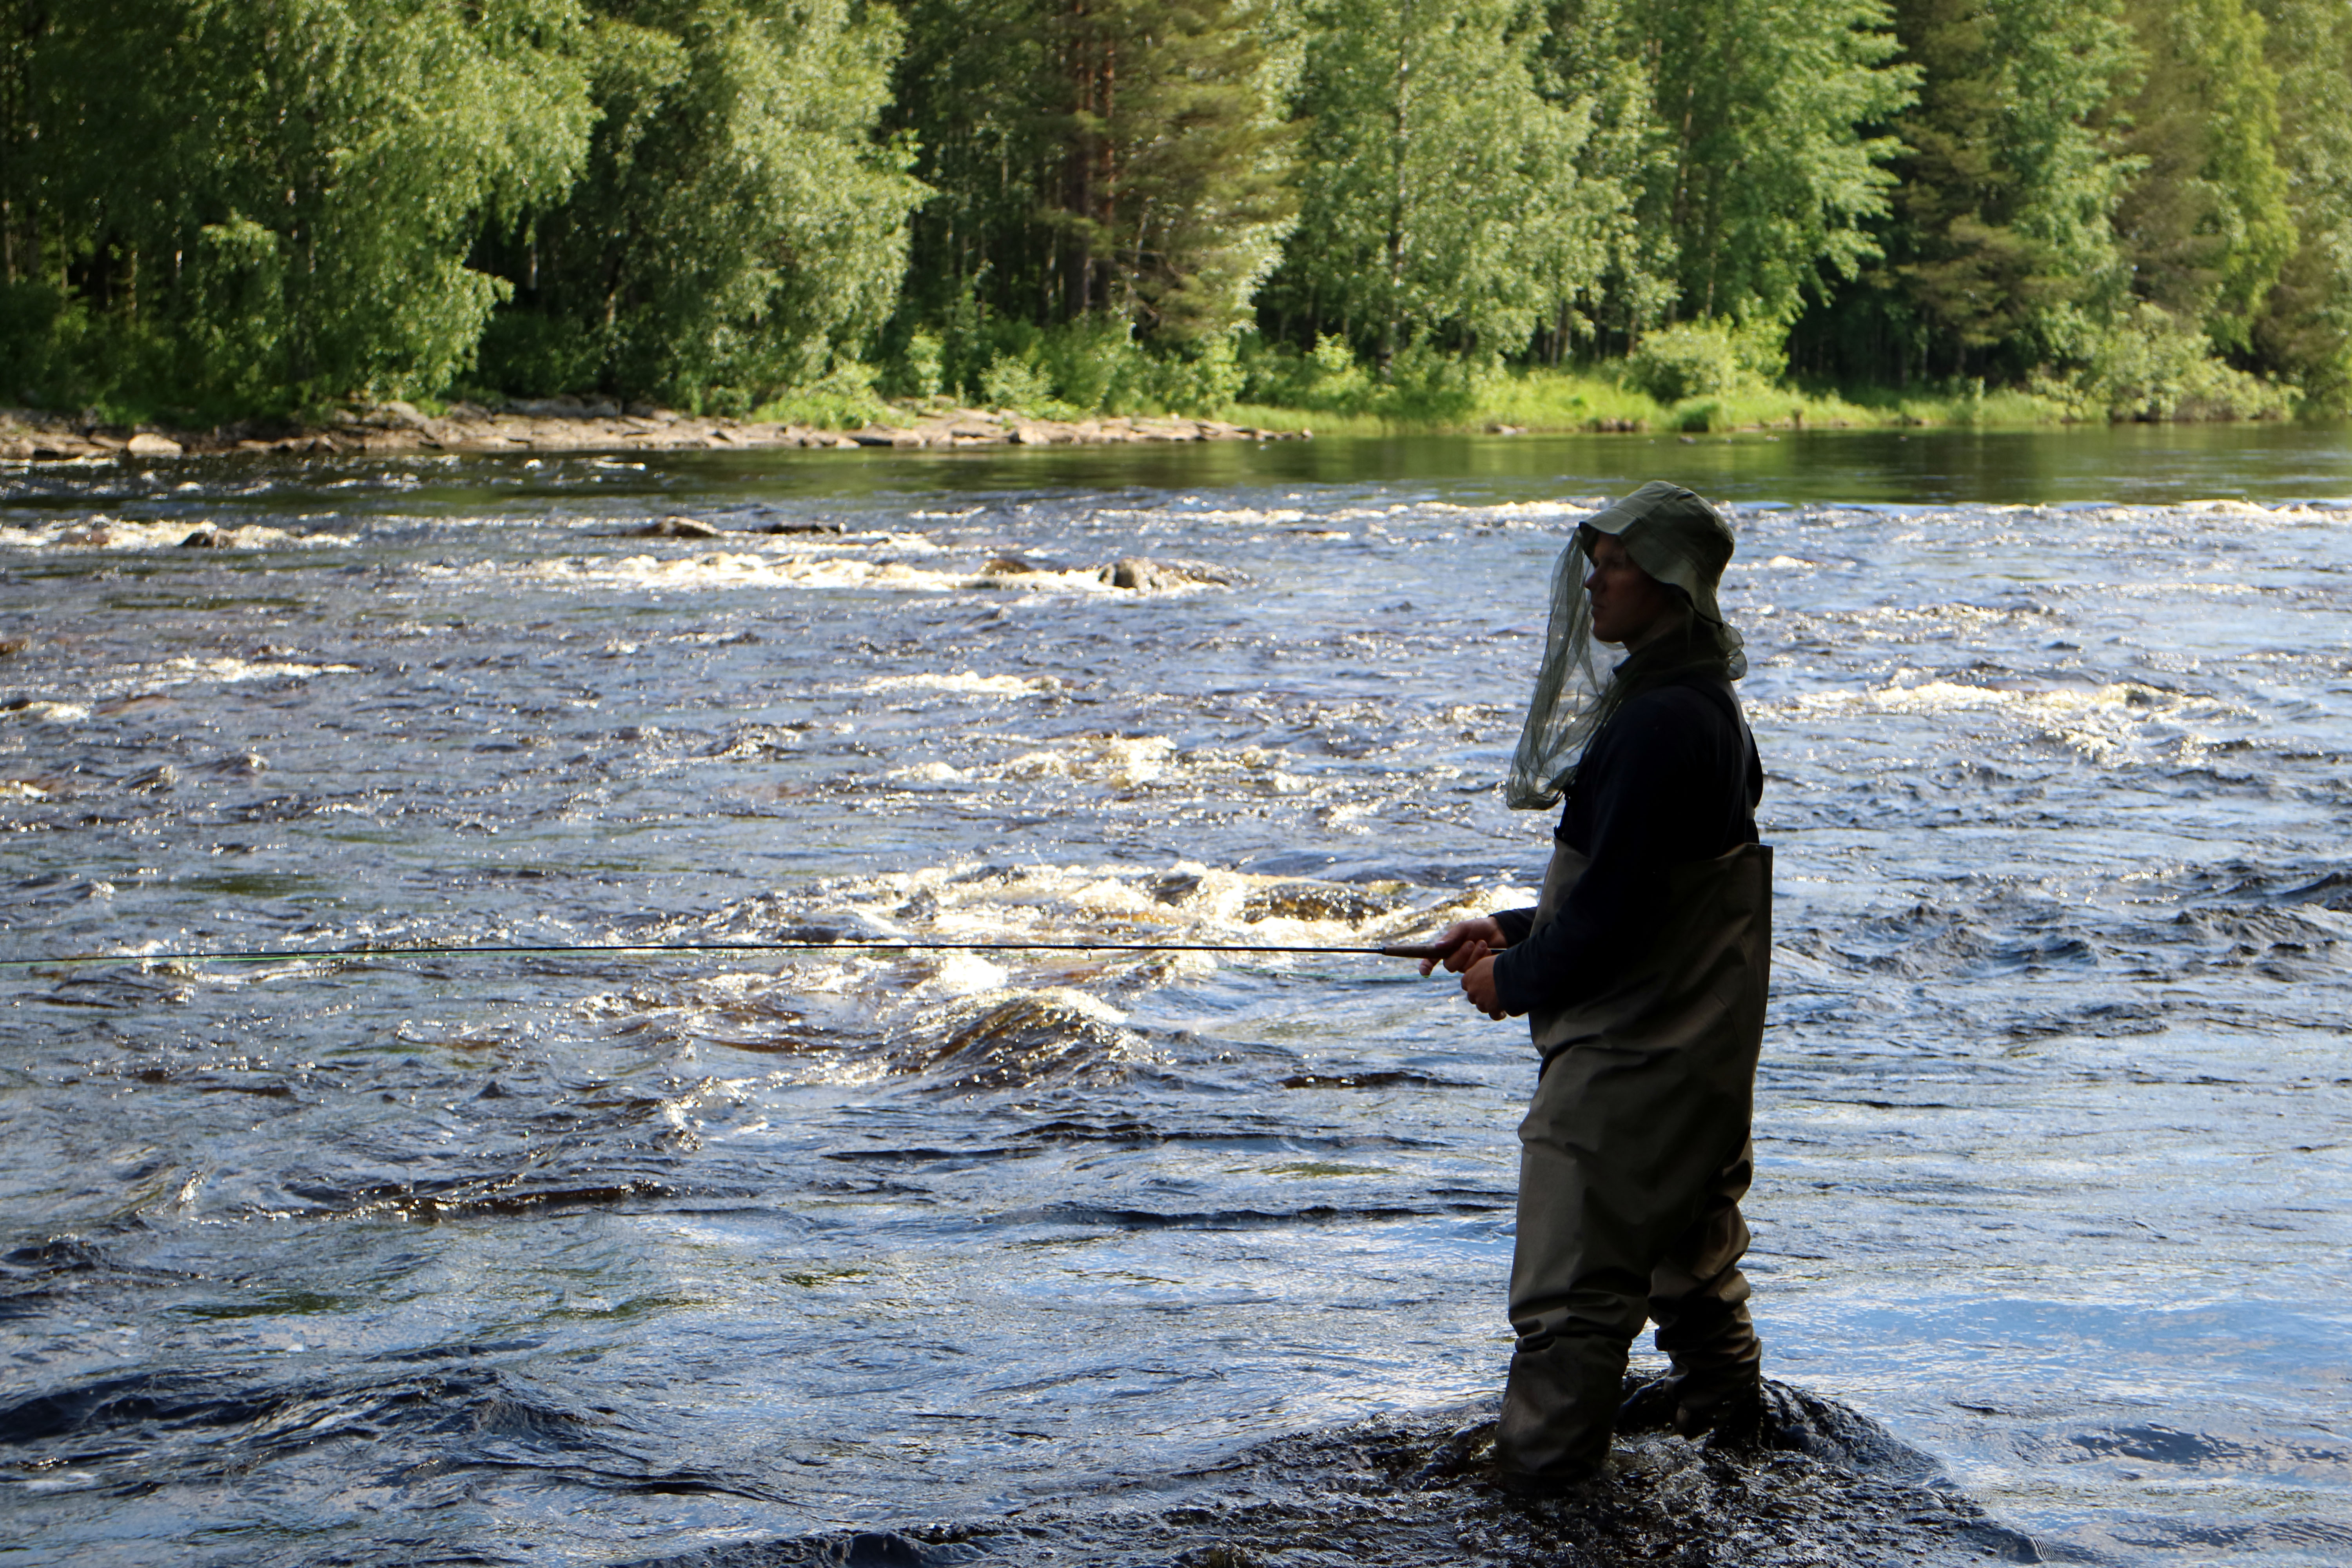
[1014, 383]
[2151, 365]
[1388, 211]
[1128, 158]
[254, 206]
[2003, 245]
[925, 356]
[737, 226]
[1698, 358]
[1441, 192]
[2304, 330]
[1091, 362]
[2206, 225]
[842, 399]
[1538, 398]
[534, 355]
[1772, 166]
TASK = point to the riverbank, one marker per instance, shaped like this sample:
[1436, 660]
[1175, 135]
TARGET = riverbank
[1602, 398]
[1562, 402]
[1507, 403]
[572, 424]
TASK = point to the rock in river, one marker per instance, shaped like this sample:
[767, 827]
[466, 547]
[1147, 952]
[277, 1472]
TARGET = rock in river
[676, 528]
[1415, 1492]
[1137, 572]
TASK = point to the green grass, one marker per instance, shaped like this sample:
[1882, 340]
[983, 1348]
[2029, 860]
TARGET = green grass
[1535, 400]
[1556, 401]
[1569, 400]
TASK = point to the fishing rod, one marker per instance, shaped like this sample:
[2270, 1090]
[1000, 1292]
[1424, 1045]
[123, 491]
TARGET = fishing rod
[861, 944]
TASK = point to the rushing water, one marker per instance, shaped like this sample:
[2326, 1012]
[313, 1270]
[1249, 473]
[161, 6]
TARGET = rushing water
[588, 1258]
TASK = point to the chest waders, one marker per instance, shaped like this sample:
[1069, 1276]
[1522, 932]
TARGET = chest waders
[1633, 1157]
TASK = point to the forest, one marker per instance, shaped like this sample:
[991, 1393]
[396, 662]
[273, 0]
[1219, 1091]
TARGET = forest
[225, 209]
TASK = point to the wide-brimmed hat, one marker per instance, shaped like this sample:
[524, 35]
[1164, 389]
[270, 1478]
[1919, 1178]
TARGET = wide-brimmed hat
[1673, 536]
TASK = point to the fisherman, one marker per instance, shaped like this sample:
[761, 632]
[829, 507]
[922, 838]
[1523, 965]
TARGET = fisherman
[1641, 973]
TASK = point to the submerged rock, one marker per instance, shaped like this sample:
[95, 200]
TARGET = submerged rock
[1830, 1487]
[1022, 1042]
[1138, 573]
[1315, 901]
[676, 528]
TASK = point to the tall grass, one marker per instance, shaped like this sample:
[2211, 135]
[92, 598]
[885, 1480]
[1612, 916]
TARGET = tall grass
[1326, 390]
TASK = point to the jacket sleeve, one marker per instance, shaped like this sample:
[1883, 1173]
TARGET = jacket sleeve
[1639, 827]
[1515, 924]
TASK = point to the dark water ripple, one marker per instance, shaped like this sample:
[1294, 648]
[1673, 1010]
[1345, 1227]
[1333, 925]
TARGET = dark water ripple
[600, 1258]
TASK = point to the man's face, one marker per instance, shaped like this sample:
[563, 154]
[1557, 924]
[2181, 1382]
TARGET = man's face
[1628, 604]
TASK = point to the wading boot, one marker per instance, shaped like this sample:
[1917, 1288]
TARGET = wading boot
[1648, 1408]
[1558, 1408]
[1731, 1423]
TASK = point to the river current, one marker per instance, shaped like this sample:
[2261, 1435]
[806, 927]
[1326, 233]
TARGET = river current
[595, 1259]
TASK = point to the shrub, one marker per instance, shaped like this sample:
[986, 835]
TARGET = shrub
[532, 355]
[842, 399]
[1327, 379]
[1699, 359]
[1203, 377]
[2151, 366]
[1091, 362]
[1012, 380]
[919, 368]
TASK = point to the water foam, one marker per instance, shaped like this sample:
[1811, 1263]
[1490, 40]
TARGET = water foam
[101, 532]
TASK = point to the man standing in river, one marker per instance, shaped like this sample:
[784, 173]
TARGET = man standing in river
[1642, 974]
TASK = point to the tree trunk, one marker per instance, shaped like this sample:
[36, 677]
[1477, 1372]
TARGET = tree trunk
[1400, 142]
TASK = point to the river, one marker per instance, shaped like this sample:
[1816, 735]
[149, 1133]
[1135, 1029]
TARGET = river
[584, 1258]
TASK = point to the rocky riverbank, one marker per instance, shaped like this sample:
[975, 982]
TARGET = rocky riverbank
[573, 425]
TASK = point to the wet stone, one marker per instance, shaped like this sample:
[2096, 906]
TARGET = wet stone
[1138, 573]
[1315, 901]
[1830, 1486]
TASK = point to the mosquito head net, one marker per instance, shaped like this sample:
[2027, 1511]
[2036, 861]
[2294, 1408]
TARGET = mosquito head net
[1682, 543]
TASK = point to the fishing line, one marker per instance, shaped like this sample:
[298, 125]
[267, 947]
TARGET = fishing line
[857, 944]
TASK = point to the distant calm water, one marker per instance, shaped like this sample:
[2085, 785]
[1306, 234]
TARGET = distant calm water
[587, 1260]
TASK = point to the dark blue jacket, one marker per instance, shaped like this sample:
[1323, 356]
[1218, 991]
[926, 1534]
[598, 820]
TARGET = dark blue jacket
[1672, 777]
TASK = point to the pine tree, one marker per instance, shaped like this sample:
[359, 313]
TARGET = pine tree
[2003, 241]
[1121, 158]
[2205, 224]
[2304, 329]
[1174, 161]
